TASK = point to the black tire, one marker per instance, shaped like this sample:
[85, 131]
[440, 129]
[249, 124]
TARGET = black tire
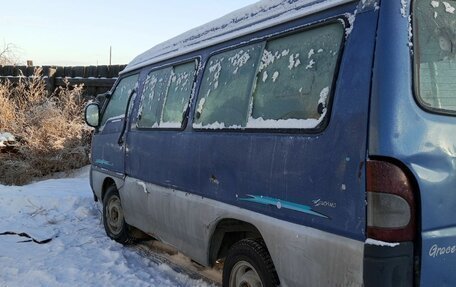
[113, 219]
[247, 261]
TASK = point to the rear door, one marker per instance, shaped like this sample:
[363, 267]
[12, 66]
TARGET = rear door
[108, 148]
[435, 162]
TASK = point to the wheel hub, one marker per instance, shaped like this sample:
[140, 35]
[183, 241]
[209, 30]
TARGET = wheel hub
[244, 275]
[115, 215]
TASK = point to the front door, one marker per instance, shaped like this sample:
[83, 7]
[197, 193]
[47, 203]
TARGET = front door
[108, 143]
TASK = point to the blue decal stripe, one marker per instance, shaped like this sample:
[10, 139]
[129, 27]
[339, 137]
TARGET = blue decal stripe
[282, 204]
[103, 162]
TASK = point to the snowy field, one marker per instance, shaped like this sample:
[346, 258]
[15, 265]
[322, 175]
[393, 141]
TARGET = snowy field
[80, 253]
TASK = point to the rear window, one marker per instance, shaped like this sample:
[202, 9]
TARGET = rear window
[435, 55]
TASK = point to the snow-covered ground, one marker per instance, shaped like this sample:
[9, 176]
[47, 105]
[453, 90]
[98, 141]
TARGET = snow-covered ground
[80, 253]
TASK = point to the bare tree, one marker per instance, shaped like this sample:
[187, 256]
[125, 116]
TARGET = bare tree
[8, 54]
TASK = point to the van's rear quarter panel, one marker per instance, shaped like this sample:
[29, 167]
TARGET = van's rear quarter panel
[423, 141]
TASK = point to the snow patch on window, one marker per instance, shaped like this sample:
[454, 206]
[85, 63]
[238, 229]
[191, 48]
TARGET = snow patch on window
[184, 105]
[199, 110]
[215, 69]
[149, 85]
[275, 76]
[265, 76]
[310, 65]
[294, 61]
[324, 96]
[215, 126]
[181, 81]
[266, 59]
[170, 125]
[311, 52]
[404, 8]
[239, 60]
[448, 7]
[376, 7]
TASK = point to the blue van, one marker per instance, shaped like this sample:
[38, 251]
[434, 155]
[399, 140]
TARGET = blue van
[301, 142]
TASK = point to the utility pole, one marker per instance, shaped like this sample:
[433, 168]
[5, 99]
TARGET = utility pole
[110, 55]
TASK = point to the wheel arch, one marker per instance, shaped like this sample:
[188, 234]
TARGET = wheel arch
[226, 233]
[107, 182]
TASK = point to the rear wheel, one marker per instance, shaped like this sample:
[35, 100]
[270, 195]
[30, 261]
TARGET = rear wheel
[113, 217]
[249, 264]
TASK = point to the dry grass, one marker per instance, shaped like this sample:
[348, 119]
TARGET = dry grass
[49, 128]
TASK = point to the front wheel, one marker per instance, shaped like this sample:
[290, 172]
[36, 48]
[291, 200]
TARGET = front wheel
[249, 264]
[113, 217]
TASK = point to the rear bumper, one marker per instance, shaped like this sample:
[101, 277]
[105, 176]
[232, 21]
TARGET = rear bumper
[388, 266]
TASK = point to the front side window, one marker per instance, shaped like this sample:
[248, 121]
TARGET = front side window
[435, 55]
[166, 96]
[153, 96]
[117, 104]
[179, 91]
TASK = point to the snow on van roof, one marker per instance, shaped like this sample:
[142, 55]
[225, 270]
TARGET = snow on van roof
[246, 20]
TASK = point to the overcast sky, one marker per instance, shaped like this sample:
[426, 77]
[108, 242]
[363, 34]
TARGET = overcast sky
[80, 32]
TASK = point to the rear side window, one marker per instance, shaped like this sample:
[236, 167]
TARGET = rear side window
[283, 83]
[165, 97]
[435, 53]
[295, 77]
[117, 104]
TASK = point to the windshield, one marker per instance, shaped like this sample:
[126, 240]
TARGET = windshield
[435, 53]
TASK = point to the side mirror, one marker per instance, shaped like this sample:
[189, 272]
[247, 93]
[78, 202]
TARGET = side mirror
[92, 115]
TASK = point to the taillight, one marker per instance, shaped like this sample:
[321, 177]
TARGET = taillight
[390, 203]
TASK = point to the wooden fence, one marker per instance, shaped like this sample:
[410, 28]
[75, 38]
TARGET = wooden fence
[96, 79]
